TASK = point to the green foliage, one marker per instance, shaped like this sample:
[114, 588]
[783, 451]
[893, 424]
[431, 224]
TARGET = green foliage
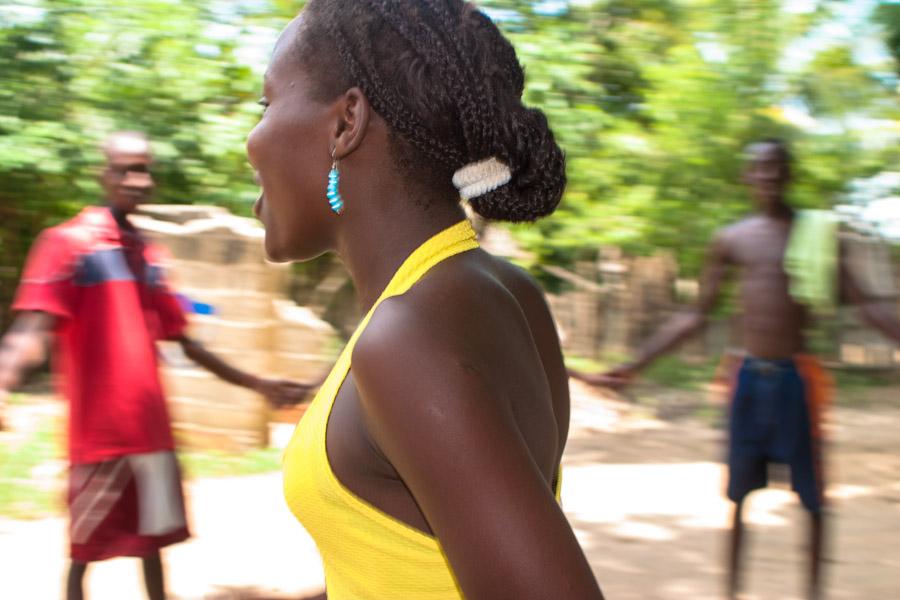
[653, 101]
[888, 15]
[73, 71]
[21, 494]
[32, 478]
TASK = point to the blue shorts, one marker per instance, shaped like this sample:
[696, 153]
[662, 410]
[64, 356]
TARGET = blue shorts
[770, 423]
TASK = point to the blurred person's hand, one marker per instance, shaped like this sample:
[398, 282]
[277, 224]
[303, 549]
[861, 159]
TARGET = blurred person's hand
[615, 379]
[283, 392]
[618, 377]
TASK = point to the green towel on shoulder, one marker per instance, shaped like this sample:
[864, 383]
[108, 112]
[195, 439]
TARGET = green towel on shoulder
[811, 259]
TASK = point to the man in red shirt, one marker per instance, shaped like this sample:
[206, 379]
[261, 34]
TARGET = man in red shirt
[97, 287]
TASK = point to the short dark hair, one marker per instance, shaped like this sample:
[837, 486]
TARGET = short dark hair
[783, 148]
[449, 86]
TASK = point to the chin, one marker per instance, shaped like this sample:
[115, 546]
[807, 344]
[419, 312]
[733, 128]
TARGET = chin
[275, 252]
[283, 253]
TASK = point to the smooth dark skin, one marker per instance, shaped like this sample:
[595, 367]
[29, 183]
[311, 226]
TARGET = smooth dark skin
[454, 416]
[127, 182]
[772, 323]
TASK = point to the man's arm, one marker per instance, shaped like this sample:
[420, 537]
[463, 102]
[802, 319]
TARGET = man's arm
[279, 392]
[24, 346]
[681, 326]
[877, 312]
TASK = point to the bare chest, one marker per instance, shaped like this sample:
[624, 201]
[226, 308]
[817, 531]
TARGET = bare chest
[760, 248]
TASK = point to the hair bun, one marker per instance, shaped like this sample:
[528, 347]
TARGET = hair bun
[538, 170]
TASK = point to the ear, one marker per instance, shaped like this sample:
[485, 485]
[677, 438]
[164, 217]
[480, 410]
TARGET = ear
[354, 112]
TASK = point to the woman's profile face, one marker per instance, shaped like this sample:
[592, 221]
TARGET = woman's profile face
[290, 150]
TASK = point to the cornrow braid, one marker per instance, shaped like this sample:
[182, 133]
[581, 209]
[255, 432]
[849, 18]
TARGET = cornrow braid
[434, 49]
[449, 87]
[385, 101]
[483, 109]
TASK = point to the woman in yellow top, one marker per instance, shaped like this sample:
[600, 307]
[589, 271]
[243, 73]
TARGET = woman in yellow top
[426, 466]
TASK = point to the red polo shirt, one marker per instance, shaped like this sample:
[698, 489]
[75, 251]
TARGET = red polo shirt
[105, 287]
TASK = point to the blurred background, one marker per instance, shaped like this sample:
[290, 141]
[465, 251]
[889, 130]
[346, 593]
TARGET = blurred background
[654, 102]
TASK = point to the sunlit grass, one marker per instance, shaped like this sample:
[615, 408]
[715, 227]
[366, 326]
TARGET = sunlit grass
[33, 472]
[212, 463]
[22, 493]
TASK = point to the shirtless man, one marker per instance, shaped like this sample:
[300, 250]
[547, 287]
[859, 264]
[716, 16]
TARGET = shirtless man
[774, 414]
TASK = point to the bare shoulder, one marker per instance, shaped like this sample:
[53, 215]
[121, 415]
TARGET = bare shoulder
[515, 276]
[726, 240]
[472, 320]
[736, 229]
[474, 327]
[533, 301]
[435, 358]
[457, 300]
[522, 285]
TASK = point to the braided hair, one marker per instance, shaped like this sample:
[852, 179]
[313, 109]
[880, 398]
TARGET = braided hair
[449, 86]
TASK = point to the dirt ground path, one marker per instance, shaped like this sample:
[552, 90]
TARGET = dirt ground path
[644, 496]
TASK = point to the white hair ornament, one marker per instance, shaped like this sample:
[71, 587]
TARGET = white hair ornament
[479, 178]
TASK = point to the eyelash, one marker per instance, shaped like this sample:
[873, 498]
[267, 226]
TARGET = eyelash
[264, 103]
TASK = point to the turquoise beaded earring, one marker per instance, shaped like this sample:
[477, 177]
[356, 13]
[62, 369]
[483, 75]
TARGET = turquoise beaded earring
[334, 196]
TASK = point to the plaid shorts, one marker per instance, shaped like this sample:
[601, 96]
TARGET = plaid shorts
[128, 506]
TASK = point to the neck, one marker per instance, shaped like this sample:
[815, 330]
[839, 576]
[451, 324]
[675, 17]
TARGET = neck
[120, 216]
[778, 210]
[380, 234]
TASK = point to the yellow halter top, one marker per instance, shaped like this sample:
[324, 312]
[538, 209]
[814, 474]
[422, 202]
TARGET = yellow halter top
[367, 554]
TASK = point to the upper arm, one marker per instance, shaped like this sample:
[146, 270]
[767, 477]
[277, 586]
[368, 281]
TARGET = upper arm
[851, 289]
[879, 312]
[531, 298]
[47, 284]
[715, 272]
[457, 448]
